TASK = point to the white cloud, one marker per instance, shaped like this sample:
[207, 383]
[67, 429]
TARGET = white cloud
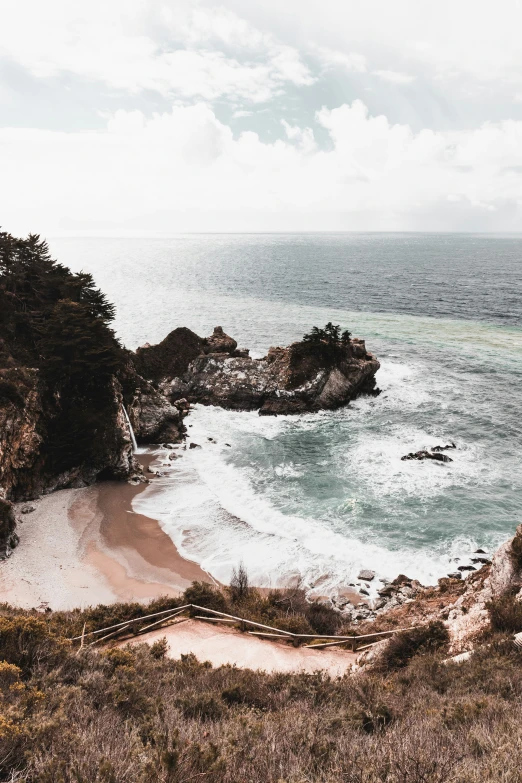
[169, 48]
[185, 166]
[395, 77]
[352, 61]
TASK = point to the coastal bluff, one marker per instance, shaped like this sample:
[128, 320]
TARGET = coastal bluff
[303, 377]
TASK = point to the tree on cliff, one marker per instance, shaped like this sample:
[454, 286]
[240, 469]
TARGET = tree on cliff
[31, 285]
[331, 335]
[58, 322]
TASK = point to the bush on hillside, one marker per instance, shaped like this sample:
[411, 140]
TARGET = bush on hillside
[26, 642]
[205, 595]
[403, 646]
[505, 613]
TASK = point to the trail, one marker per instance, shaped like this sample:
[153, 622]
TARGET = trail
[222, 646]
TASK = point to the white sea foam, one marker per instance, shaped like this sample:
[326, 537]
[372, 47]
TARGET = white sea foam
[216, 516]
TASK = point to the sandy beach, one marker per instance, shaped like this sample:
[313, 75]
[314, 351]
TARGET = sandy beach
[82, 547]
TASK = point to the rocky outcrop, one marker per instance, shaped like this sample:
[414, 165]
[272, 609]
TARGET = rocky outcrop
[8, 537]
[171, 357]
[154, 419]
[303, 377]
[461, 604]
[26, 463]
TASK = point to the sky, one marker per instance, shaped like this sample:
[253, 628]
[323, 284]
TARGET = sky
[137, 117]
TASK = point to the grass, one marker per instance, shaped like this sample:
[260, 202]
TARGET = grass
[132, 715]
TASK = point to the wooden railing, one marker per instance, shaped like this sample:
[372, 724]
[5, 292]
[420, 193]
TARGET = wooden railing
[132, 628]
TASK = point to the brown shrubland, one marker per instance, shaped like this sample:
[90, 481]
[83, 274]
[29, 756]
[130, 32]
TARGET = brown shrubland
[132, 715]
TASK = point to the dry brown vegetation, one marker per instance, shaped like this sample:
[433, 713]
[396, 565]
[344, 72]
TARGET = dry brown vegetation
[132, 715]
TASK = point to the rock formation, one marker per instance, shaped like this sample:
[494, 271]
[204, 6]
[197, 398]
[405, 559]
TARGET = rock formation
[303, 377]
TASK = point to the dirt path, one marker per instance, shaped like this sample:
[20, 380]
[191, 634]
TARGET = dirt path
[221, 645]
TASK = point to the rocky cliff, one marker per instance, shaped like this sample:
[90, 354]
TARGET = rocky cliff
[303, 377]
[64, 381]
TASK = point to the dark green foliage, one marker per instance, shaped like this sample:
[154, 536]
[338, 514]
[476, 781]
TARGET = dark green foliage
[331, 335]
[202, 594]
[58, 322]
[405, 645]
[505, 613]
[323, 619]
[31, 285]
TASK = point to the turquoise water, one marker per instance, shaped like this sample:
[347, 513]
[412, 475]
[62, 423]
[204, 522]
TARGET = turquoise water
[324, 495]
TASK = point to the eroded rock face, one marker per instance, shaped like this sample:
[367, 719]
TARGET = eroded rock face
[301, 378]
[154, 419]
[25, 468]
[8, 537]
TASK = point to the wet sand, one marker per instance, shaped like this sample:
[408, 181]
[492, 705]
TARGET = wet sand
[83, 547]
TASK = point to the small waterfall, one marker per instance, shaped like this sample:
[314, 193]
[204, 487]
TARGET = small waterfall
[132, 436]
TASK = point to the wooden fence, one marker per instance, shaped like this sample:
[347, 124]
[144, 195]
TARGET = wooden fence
[133, 627]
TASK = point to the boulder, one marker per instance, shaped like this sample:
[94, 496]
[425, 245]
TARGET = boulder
[423, 454]
[154, 419]
[366, 575]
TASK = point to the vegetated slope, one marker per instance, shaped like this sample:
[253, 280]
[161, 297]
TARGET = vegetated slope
[132, 715]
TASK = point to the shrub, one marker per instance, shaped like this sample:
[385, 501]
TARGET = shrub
[205, 595]
[239, 587]
[402, 647]
[159, 648]
[505, 613]
[323, 619]
[27, 642]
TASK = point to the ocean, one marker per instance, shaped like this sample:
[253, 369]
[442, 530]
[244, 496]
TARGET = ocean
[321, 496]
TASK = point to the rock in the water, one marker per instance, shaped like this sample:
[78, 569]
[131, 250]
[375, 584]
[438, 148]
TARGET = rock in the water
[455, 575]
[450, 445]
[467, 568]
[27, 509]
[194, 446]
[301, 378]
[423, 454]
[366, 575]
[483, 560]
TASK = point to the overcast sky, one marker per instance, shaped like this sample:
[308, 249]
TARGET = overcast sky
[138, 116]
